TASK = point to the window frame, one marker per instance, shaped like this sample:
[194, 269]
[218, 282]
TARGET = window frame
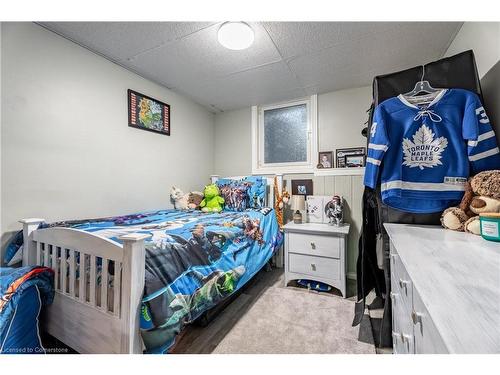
[258, 165]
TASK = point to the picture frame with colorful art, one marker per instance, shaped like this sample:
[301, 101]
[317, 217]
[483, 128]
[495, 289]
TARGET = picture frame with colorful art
[147, 113]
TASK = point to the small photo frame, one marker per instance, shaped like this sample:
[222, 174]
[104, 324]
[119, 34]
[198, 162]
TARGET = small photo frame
[353, 157]
[325, 159]
[302, 187]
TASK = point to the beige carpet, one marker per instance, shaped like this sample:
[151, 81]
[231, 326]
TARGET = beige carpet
[290, 320]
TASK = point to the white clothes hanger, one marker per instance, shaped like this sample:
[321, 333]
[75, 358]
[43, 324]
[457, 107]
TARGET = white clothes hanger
[422, 87]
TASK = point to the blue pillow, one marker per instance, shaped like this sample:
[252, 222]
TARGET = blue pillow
[256, 192]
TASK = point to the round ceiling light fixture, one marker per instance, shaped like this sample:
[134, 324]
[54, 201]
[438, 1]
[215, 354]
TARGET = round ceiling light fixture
[235, 35]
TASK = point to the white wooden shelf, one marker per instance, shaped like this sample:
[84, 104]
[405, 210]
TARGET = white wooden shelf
[360, 171]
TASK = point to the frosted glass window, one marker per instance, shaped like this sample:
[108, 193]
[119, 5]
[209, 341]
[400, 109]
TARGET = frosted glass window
[285, 134]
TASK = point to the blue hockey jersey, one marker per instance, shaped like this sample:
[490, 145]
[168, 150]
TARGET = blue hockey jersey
[424, 155]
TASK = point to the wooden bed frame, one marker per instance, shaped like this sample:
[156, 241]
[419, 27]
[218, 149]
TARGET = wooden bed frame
[84, 315]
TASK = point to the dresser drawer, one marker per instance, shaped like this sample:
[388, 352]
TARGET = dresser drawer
[314, 266]
[402, 326]
[400, 280]
[314, 244]
[427, 337]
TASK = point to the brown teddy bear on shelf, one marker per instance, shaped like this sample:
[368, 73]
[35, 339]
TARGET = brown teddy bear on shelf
[482, 195]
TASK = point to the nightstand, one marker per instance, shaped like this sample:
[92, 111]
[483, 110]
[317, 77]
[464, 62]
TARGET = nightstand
[316, 252]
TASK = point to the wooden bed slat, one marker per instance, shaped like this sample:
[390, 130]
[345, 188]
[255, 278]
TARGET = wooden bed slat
[55, 267]
[81, 277]
[104, 285]
[38, 253]
[64, 272]
[117, 288]
[92, 291]
[46, 253]
[72, 273]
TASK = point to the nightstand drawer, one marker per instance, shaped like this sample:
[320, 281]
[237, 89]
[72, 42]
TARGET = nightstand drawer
[315, 266]
[314, 244]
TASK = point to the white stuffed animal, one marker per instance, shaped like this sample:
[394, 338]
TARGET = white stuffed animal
[180, 199]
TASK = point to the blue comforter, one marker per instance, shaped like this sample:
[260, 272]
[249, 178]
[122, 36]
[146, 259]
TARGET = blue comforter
[194, 260]
[23, 291]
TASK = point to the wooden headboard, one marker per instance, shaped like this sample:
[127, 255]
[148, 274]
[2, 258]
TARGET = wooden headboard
[269, 185]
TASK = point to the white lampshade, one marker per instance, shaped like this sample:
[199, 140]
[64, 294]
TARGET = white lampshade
[235, 35]
[298, 202]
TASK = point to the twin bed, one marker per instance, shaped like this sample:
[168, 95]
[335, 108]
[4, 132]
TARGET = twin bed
[130, 284]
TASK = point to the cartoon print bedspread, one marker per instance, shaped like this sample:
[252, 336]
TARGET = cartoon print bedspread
[193, 261]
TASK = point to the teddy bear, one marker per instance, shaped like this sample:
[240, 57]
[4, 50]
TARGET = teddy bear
[194, 200]
[482, 194]
[212, 202]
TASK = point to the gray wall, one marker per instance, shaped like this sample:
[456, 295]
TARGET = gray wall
[66, 150]
[233, 143]
[483, 38]
[341, 115]
[491, 93]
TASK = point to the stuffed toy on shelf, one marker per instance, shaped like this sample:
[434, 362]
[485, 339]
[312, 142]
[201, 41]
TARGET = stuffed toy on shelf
[212, 202]
[482, 195]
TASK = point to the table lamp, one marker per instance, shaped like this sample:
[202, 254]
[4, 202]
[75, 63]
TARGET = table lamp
[298, 204]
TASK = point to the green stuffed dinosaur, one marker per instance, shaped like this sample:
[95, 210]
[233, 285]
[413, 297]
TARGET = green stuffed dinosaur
[213, 201]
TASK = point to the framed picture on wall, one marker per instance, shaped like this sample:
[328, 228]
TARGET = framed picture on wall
[147, 113]
[351, 157]
[325, 159]
[302, 187]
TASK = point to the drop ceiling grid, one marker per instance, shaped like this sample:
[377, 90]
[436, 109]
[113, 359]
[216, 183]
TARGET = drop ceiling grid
[286, 61]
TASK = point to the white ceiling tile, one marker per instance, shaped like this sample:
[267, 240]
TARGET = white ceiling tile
[200, 57]
[255, 86]
[298, 38]
[407, 46]
[122, 40]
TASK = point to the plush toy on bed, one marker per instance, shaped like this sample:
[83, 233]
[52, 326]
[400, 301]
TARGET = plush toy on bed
[194, 200]
[179, 198]
[482, 195]
[212, 202]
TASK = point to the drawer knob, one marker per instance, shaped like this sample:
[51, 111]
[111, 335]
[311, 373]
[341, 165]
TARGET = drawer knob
[416, 317]
[313, 245]
[313, 266]
[404, 283]
[405, 337]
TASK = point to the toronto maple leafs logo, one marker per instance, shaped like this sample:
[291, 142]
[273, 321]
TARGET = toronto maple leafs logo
[424, 151]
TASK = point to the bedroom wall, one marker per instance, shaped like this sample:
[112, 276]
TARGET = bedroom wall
[483, 38]
[66, 149]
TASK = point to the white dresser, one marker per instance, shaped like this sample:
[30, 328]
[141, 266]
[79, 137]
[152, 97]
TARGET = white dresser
[316, 252]
[445, 291]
